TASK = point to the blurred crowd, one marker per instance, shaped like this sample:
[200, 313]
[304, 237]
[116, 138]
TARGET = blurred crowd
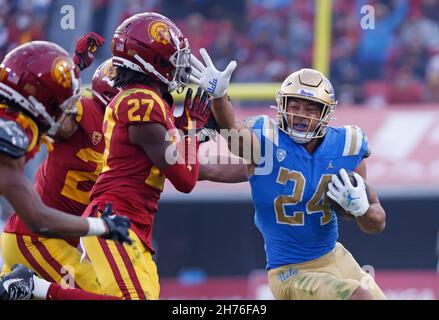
[22, 21]
[395, 62]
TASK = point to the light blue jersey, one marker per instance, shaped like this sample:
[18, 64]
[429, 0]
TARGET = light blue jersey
[289, 186]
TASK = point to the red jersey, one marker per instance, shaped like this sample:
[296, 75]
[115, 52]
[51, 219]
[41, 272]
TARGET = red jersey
[67, 175]
[129, 179]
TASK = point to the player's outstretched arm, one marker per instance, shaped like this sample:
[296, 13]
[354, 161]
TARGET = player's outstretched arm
[374, 220]
[176, 158]
[222, 170]
[46, 221]
[242, 142]
[182, 173]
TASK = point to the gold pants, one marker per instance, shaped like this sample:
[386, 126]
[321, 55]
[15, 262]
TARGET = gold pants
[125, 271]
[54, 260]
[334, 276]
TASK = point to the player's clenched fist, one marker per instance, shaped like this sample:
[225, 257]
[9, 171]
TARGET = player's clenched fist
[117, 226]
[86, 46]
[352, 198]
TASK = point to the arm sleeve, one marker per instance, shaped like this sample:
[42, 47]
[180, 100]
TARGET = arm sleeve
[397, 15]
[184, 173]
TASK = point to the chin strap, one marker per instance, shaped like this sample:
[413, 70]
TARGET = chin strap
[172, 85]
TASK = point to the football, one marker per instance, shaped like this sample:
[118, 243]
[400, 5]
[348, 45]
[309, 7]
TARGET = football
[341, 213]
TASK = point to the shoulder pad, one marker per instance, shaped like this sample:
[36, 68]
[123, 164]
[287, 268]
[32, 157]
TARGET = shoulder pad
[353, 141]
[13, 139]
[263, 126]
[250, 121]
[142, 105]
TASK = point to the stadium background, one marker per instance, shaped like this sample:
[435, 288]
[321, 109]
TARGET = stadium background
[387, 82]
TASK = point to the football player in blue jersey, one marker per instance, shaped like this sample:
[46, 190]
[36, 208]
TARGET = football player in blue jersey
[296, 164]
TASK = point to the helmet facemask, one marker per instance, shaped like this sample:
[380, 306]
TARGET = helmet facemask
[286, 120]
[180, 60]
[68, 110]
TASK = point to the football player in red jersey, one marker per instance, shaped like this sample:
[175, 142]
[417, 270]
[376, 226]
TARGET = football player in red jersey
[63, 182]
[39, 87]
[143, 148]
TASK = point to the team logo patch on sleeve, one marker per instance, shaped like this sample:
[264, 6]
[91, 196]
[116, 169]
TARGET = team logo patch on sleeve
[96, 138]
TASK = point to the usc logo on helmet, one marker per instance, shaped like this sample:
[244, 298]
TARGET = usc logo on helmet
[62, 72]
[3, 73]
[108, 70]
[159, 31]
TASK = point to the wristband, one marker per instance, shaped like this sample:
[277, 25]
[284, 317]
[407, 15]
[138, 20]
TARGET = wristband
[96, 227]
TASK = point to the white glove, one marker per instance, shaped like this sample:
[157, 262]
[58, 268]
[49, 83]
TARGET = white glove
[352, 199]
[208, 77]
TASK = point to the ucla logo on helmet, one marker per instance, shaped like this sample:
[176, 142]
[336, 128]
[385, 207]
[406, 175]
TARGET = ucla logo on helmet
[306, 93]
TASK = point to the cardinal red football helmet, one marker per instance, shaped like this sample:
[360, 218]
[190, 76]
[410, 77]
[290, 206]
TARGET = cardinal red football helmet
[43, 80]
[152, 44]
[102, 85]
